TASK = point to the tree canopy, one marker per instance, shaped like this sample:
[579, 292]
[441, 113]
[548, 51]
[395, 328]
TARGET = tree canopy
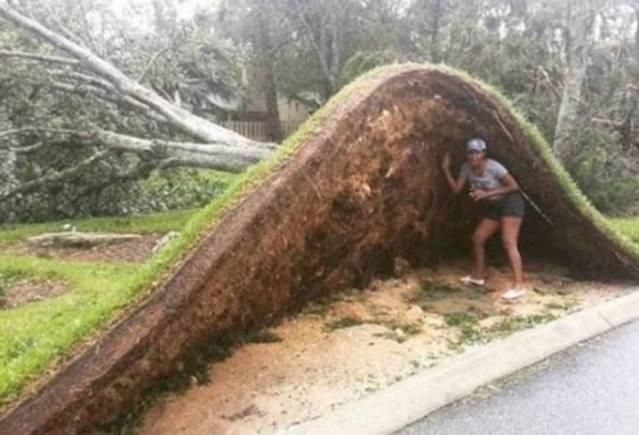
[98, 95]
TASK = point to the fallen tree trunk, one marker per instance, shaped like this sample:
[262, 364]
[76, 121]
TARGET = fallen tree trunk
[362, 190]
[77, 239]
[167, 154]
[178, 117]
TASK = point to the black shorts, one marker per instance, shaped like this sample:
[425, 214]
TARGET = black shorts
[511, 205]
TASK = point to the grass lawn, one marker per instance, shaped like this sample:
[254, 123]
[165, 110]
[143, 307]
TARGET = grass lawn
[35, 334]
[628, 226]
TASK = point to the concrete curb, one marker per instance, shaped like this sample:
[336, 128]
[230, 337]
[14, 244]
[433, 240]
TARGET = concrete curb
[410, 400]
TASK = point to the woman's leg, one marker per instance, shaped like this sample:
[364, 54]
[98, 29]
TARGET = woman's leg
[483, 232]
[510, 235]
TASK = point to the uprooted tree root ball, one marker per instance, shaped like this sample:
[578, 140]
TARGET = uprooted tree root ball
[365, 188]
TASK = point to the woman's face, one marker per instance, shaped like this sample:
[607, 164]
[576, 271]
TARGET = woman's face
[475, 158]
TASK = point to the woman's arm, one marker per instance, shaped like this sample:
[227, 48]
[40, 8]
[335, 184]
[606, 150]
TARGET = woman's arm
[456, 185]
[509, 185]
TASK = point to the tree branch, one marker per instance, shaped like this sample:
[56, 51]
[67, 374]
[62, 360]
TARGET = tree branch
[148, 67]
[111, 97]
[218, 156]
[180, 118]
[39, 57]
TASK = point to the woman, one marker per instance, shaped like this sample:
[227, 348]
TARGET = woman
[503, 208]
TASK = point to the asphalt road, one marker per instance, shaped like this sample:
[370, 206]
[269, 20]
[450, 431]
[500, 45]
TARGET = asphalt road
[592, 388]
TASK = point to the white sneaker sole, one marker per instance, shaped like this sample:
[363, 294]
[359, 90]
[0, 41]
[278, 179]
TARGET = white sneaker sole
[467, 280]
[511, 295]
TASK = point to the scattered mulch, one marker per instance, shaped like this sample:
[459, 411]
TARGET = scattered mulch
[27, 290]
[131, 251]
[343, 349]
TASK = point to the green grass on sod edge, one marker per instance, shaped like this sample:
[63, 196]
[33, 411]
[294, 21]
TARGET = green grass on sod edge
[34, 335]
[628, 226]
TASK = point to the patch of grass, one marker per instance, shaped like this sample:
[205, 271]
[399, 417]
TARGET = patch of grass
[628, 226]
[400, 332]
[321, 307]
[35, 334]
[512, 324]
[342, 323]
[460, 318]
[317, 308]
[467, 324]
[563, 305]
[260, 336]
[432, 290]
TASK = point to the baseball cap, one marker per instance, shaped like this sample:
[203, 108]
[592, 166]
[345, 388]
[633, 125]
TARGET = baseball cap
[476, 144]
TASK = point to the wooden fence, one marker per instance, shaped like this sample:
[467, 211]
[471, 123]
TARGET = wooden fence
[256, 130]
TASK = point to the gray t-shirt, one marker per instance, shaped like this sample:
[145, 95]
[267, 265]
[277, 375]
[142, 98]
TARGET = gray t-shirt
[489, 180]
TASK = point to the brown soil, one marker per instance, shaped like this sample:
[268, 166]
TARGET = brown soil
[365, 188]
[29, 290]
[330, 355]
[130, 251]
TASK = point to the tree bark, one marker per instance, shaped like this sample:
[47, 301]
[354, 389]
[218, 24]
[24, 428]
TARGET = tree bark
[8, 179]
[435, 54]
[212, 156]
[325, 40]
[579, 40]
[264, 49]
[636, 8]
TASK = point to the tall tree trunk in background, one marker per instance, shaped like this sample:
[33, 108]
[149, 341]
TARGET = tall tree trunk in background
[579, 33]
[8, 179]
[325, 39]
[636, 33]
[633, 119]
[436, 16]
[264, 48]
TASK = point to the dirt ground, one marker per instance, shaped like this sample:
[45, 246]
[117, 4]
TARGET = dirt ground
[341, 350]
[131, 251]
[25, 290]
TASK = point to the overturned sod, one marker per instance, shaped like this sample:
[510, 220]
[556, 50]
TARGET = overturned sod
[362, 188]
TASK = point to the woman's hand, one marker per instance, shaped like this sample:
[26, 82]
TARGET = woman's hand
[478, 194]
[446, 162]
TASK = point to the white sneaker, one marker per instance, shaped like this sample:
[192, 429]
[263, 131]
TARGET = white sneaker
[513, 293]
[468, 280]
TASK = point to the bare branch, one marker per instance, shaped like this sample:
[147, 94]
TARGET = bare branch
[111, 97]
[218, 155]
[148, 67]
[30, 148]
[39, 57]
[26, 130]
